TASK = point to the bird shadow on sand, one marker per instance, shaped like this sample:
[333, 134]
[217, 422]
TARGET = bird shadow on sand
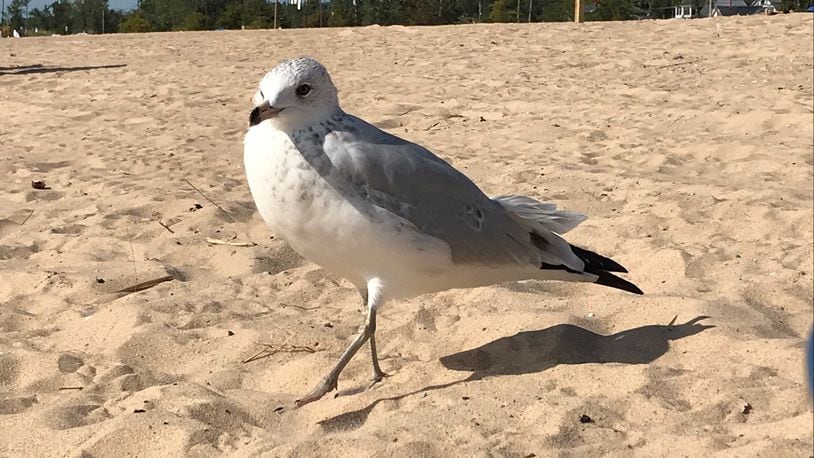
[535, 351]
[29, 69]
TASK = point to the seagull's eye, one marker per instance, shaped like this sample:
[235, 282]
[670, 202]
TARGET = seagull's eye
[303, 90]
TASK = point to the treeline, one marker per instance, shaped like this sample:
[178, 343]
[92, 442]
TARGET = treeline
[95, 16]
[62, 16]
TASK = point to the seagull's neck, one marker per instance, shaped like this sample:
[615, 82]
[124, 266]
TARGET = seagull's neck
[321, 121]
[313, 134]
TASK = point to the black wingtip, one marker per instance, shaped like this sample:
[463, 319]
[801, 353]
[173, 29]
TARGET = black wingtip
[608, 279]
[595, 261]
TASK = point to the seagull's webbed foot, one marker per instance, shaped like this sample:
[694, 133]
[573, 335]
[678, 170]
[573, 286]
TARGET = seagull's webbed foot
[325, 386]
[376, 379]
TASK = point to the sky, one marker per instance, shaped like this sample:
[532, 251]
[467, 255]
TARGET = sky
[114, 4]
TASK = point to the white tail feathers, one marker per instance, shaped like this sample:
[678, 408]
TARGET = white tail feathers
[547, 223]
[559, 259]
[545, 214]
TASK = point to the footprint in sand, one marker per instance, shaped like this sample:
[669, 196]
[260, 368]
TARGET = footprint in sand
[11, 406]
[74, 416]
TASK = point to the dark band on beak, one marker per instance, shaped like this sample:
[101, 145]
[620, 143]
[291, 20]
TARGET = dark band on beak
[262, 112]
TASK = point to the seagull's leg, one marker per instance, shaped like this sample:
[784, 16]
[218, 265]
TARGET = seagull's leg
[328, 383]
[378, 373]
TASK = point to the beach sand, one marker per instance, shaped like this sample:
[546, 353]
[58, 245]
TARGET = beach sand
[688, 144]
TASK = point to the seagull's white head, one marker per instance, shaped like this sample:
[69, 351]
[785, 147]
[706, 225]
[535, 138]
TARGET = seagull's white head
[296, 93]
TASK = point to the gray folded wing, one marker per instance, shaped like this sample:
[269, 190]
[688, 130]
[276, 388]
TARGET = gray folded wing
[411, 182]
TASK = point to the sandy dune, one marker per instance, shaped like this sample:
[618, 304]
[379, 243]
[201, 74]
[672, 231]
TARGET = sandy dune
[689, 144]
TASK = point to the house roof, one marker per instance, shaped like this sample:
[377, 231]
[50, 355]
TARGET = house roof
[739, 10]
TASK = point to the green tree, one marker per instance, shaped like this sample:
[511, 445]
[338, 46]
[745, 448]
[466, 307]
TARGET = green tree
[553, 10]
[794, 5]
[41, 19]
[420, 12]
[15, 14]
[61, 14]
[340, 13]
[113, 19]
[135, 23]
[450, 11]
[500, 12]
[612, 10]
[314, 14]
[385, 12]
[230, 18]
[89, 15]
[195, 20]
[165, 15]
[288, 16]
[71, 16]
[252, 14]
[471, 11]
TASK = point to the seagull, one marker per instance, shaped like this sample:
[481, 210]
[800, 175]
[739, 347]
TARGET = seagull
[388, 215]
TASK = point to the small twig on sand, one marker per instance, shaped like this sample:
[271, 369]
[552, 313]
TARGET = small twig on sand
[224, 242]
[48, 276]
[299, 307]
[210, 201]
[145, 285]
[677, 64]
[26, 218]
[133, 258]
[675, 120]
[166, 227]
[273, 349]
[66, 388]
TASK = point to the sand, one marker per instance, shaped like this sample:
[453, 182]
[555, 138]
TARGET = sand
[689, 144]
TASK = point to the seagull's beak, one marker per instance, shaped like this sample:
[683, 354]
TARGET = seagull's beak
[262, 112]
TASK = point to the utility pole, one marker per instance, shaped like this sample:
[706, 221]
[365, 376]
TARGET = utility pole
[518, 12]
[530, 5]
[577, 11]
[275, 13]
